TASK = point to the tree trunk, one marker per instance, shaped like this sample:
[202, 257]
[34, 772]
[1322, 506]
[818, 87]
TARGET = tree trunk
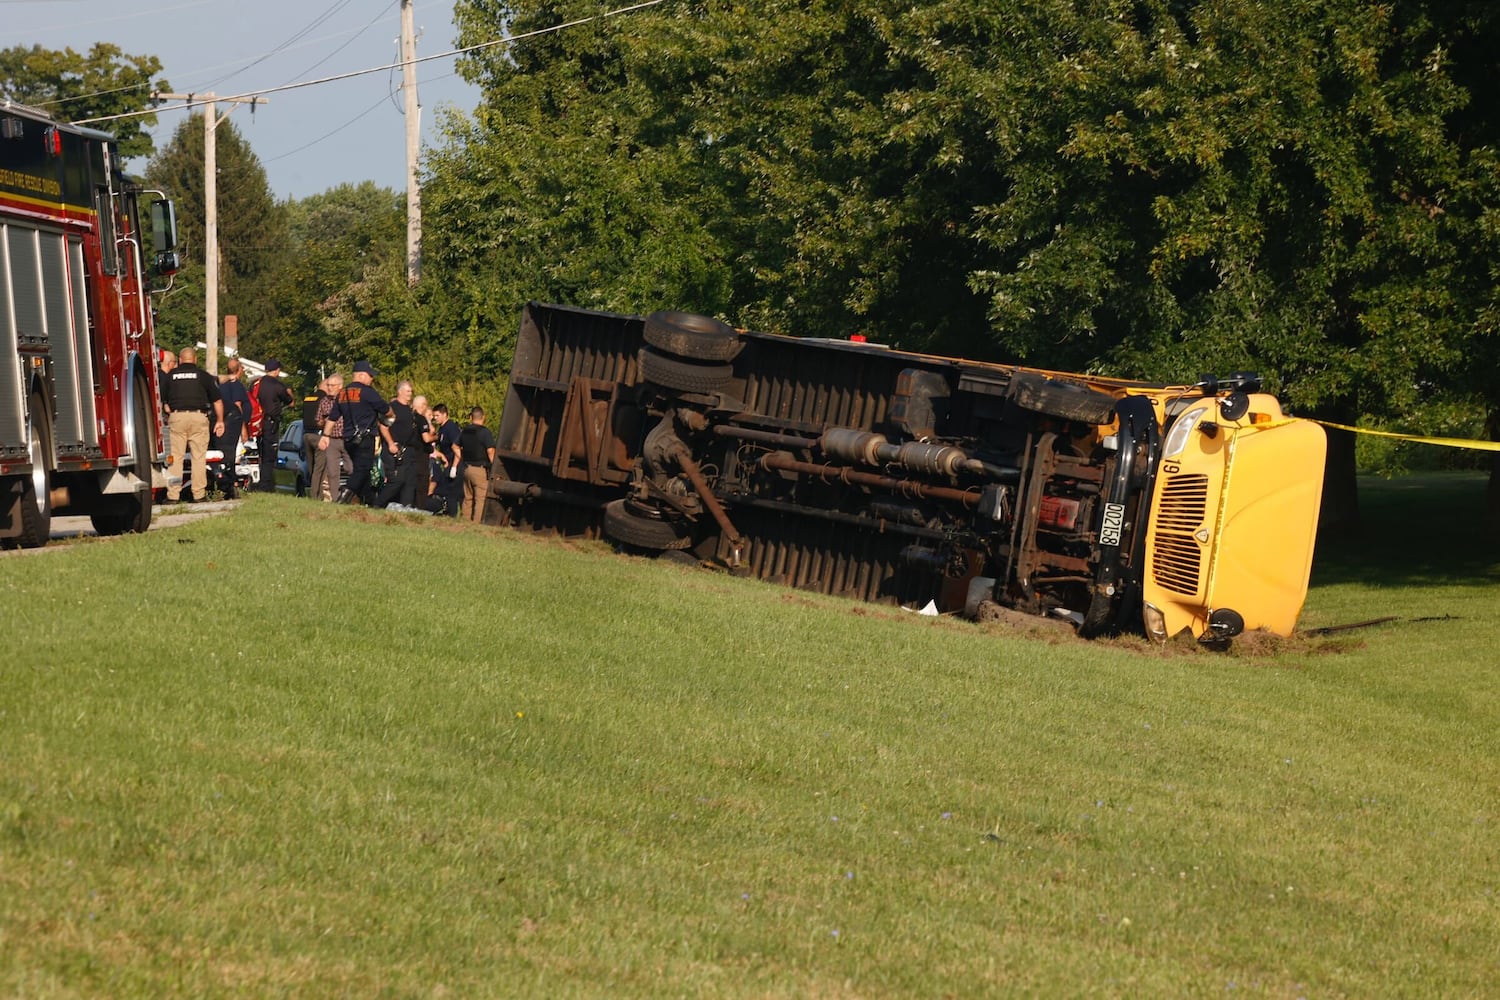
[1339, 517]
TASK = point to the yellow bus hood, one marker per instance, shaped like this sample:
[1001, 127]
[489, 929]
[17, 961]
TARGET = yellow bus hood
[1268, 522]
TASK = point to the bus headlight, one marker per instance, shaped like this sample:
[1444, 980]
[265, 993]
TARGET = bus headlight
[1156, 623]
[1177, 437]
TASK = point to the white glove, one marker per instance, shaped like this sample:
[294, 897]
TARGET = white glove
[452, 472]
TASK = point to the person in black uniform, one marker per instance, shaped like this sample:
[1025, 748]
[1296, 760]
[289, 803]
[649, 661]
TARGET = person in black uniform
[163, 373]
[310, 430]
[236, 418]
[406, 459]
[476, 442]
[273, 396]
[192, 394]
[363, 411]
[446, 461]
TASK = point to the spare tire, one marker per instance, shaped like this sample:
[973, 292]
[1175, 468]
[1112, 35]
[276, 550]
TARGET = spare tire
[1064, 400]
[624, 524]
[688, 335]
[684, 376]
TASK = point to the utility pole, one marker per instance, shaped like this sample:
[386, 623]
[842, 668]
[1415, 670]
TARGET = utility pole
[211, 122]
[413, 139]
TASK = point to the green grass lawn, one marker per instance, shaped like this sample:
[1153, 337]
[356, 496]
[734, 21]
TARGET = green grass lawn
[300, 751]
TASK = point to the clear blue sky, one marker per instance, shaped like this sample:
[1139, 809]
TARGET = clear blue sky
[308, 139]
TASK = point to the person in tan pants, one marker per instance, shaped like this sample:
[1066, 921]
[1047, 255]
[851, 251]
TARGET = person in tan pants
[476, 444]
[191, 395]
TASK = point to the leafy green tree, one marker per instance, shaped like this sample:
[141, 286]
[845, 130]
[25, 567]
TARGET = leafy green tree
[1202, 187]
[252, 235]
[72, 87]
[550, 193]
[1157, 188]
[343, 237]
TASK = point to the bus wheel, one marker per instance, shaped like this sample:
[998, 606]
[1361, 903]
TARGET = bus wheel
[683, 376]
[688, 335]
[624, 524]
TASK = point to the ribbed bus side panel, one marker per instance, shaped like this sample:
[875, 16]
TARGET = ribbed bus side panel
[818, 384]
[555, 346]
[811, 554]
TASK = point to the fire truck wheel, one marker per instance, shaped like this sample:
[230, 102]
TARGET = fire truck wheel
[688, 335]
[1061, 399]
[683, 376]
[36, 492]
[624, 525]
[131, 512]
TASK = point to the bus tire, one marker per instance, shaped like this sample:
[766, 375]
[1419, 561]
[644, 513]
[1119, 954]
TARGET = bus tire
[624, 525]
[1063, 400]
[683, 376]
[688, 335]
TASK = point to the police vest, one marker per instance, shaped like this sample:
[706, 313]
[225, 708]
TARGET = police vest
[186, 390]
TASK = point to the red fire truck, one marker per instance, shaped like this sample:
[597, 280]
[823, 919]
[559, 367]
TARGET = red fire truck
[80, 428]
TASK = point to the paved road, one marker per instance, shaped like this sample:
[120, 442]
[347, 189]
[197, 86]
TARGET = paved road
[79, 527]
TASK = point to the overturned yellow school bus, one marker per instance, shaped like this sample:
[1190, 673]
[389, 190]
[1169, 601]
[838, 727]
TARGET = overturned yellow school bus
[883, 475]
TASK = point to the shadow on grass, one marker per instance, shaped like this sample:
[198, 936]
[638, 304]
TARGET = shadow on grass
[1418, 530]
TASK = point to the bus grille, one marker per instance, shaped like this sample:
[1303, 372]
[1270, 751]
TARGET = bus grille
[1177, 558]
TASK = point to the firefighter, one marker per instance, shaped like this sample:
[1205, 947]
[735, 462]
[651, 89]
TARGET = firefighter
[364, 414]
[192, 394]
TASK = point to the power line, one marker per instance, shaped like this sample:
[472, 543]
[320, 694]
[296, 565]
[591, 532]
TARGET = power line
[373, 21]
[296, 37]
[328, 135]
[122, 17]
[218, 66]
[453, 53]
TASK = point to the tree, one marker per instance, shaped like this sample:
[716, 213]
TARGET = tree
[725, 158]
[74, 87]
[1157, 188]
[345, 237]
[252, 234]
[1202, 187]
[551, 193]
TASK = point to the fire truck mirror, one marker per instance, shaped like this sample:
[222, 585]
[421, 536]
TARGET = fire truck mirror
[168, 264]
[164, 233]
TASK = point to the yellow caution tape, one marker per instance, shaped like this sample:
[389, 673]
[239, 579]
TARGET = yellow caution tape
[1444, 442]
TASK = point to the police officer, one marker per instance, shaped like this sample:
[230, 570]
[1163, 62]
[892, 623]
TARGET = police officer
[310, 429]
[406, 465]
[273, 396]
[236, 417]
[192, 394]
[362, 410]
[447, 457]
[476, 443]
